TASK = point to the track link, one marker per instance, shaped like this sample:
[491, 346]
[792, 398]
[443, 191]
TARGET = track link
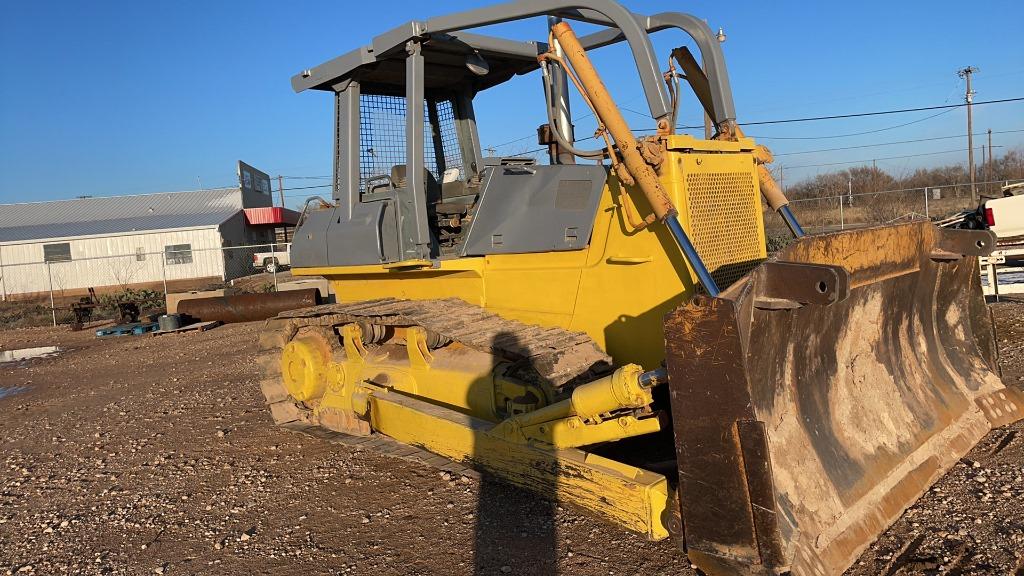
[556, 356]
[553, 356]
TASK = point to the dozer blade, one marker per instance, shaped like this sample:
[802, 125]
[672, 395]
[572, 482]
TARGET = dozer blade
[821, 395]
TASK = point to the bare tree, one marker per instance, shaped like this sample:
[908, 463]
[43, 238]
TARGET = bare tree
[124, 270]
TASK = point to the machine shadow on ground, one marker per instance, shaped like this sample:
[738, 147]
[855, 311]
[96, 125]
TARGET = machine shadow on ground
[515, 529]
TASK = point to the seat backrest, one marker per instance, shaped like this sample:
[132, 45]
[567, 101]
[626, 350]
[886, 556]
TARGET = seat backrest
[399, 179]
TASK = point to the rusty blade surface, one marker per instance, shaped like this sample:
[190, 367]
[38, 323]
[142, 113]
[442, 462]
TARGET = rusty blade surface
[247, 307]
[820, 396]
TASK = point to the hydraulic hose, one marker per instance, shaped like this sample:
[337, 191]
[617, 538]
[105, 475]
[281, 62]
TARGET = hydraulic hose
[562, 141]
[613, 120]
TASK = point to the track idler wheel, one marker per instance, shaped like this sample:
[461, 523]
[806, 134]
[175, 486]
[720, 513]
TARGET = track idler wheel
[304, 362]
[285, 409]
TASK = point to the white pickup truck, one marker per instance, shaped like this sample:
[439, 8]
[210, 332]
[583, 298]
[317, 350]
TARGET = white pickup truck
[1005, 216]
[272, 261]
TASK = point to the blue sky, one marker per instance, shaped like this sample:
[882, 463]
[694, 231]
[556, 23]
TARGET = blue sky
[108, 98]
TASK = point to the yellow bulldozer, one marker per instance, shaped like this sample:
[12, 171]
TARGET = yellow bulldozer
[606, 328]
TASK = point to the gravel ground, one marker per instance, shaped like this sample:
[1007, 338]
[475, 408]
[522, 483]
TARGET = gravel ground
[154, 456]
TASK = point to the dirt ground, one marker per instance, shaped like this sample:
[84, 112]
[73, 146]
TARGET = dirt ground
[154, 456]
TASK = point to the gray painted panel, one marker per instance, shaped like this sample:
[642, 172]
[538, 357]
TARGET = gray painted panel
[326, 238]
[536, 209]
[330, 71]
[415, 229]
[346, 148]
[370, 237]
[309, 243]
[608, 12]
[600, 11]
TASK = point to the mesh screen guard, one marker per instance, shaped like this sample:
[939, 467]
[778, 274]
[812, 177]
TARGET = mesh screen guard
[382, 137]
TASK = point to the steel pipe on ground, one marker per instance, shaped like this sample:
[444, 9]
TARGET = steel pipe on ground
[247, 307]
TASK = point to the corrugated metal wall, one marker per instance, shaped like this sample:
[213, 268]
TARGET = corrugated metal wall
[110, 261]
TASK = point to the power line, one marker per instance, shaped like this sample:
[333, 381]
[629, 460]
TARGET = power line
[577, 118]
[829, 137]
[945, 109]
[853, 133]
[892, 143]
[877, 113]
[309, 187]
[514, 141]
[873, 159]
[913, 88]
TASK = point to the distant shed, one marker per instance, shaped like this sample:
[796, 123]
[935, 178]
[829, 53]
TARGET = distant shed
[128, 240]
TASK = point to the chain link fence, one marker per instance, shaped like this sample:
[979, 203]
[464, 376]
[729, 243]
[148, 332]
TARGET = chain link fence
[861, 209]
[51, 287]
[31, 290]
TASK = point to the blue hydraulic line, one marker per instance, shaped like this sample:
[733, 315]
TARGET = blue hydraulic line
[691, 256]
[794, 226]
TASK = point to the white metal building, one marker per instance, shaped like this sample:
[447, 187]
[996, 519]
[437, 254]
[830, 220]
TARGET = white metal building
[71, 245]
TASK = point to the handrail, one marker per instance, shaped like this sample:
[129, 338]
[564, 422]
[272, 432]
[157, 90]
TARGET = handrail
[606, 12]
[710, 49]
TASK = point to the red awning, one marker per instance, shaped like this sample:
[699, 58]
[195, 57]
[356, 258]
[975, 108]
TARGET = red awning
[271, 216]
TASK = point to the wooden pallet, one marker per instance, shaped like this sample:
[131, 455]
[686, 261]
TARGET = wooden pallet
[198, 327]
[134, 329]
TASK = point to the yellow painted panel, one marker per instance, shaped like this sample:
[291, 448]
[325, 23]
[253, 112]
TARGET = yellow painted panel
[620, 286]
[630, 497]
[534, 288]
[621, 305]
[411, 285]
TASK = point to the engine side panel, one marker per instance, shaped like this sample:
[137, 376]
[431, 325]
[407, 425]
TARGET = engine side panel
[535, 209]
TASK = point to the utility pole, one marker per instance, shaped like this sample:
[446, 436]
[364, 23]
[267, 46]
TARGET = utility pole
[280, 193]
[989, 170]
[984, 165]
[965, 73]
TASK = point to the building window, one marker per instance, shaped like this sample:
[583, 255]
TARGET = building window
[140, 254]
[178, 254]
[57, 252]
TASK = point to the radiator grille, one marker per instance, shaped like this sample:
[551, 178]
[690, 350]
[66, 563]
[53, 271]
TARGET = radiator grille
[724, 212]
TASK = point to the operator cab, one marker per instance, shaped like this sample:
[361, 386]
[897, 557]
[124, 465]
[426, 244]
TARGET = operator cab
[376, 134]
[406, 101]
